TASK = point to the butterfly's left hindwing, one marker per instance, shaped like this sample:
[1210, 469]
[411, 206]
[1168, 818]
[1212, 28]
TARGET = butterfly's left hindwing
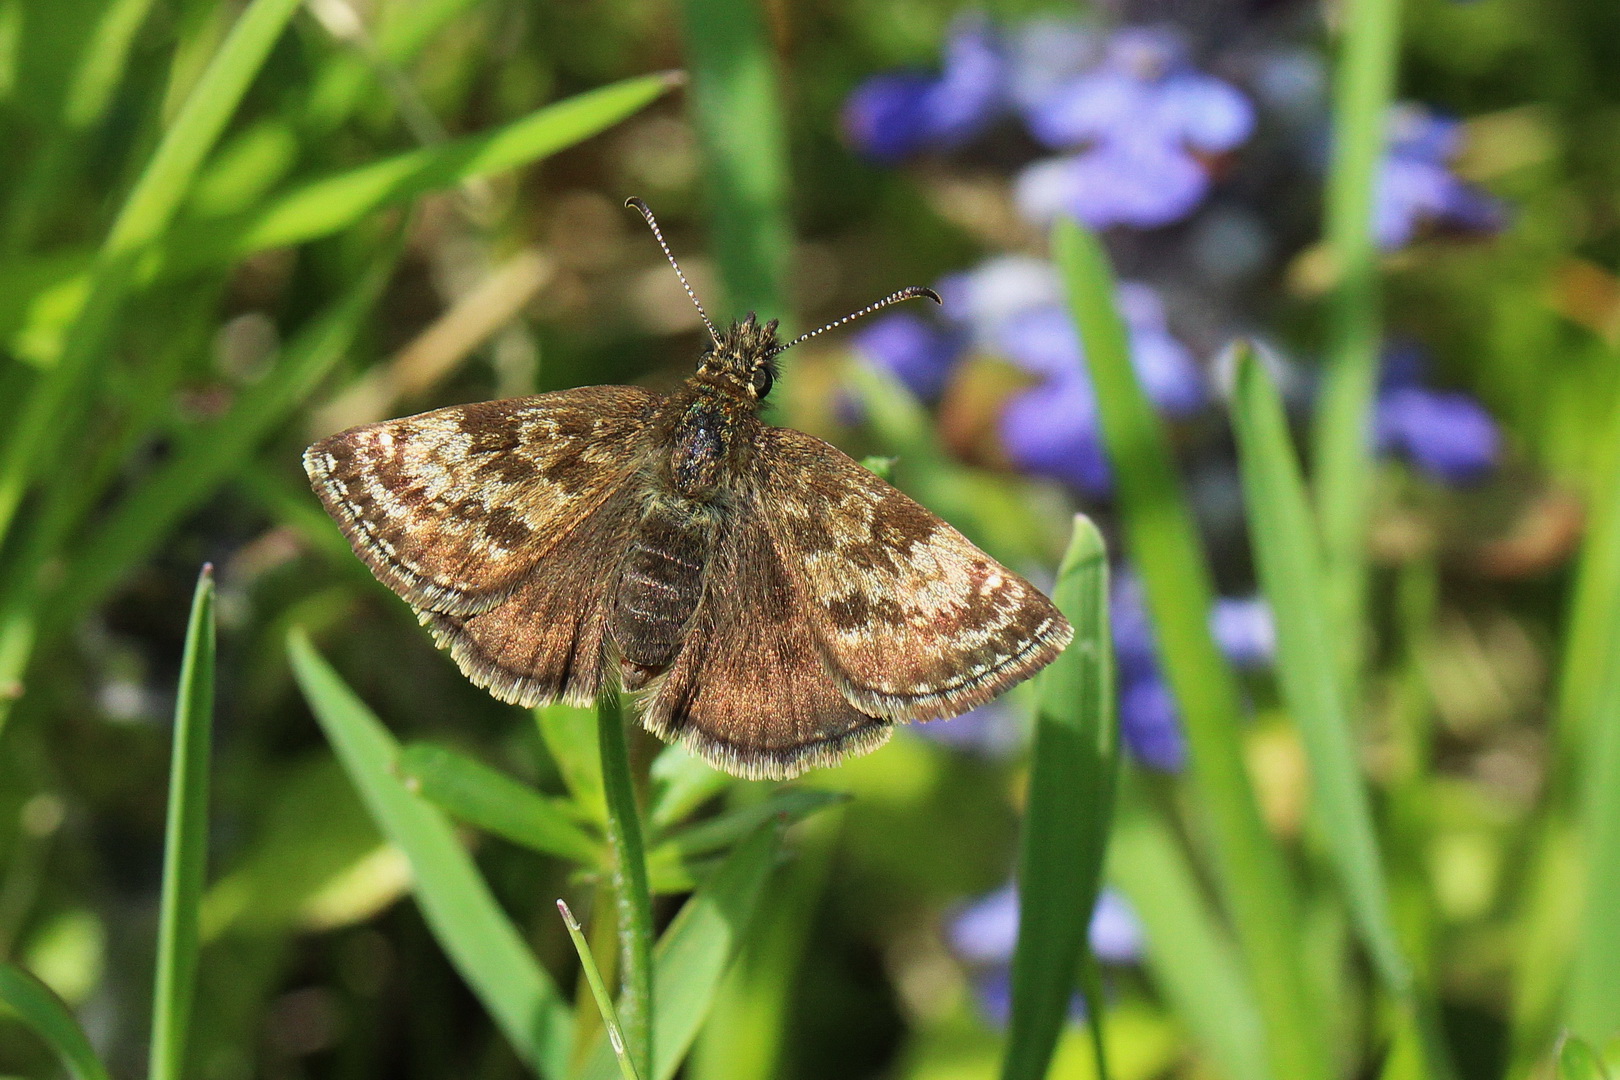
[452, 508]
[913, 621]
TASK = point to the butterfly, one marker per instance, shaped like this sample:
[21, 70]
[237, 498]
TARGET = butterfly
[770, 602]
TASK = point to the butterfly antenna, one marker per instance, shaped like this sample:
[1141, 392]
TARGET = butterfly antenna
[908, 293]
[652, 223]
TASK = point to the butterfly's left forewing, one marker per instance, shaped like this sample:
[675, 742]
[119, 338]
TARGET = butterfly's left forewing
[503, 524]
[913, 621]
[452, 508]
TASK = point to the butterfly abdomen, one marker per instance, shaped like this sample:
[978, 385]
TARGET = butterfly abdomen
[660, 583]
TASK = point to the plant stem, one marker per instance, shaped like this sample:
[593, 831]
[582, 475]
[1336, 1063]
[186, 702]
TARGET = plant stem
[631, 892]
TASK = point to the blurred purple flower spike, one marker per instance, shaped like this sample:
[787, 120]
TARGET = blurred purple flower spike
[1150, 723]
[1051, 431]
[971, 91]
[894, 115]
[1416, 186]
[916, 350]
[1447, 434]
[1139, 116]
[986, 931]
[1138, 183]
[883, 118]
[1244, 630]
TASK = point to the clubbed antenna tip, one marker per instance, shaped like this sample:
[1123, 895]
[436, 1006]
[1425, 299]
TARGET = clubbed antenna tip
[911, 292]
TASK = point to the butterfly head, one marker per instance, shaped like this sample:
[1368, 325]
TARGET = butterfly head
[744, 358]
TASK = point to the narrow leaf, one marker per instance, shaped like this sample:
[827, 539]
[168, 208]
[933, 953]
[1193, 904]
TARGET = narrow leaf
[1066, 824]
[1364, 82]
[488, 799]
[1593, 1006]
[475, 934]
[43, 1011]
[1163, 542]
[1286, 552]
[731, 57]
[599, 990]
[329, 205]
[694, 953]
[1578, 1061]
[185, 848]
[632, 891]
[44, 416]
[1192, 960]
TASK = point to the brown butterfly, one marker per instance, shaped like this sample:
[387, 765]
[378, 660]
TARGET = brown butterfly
[774, 604]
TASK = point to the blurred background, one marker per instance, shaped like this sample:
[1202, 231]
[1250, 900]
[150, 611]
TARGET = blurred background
[375, 227]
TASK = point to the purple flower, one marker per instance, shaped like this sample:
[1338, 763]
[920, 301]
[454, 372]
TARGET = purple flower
[1140, 184]
[884, 117]
[1416, 186]
[1150, 723]
[1051, 431]
[997, 290]
[1044, 54]
[916, 350]
[896, 114]
[1243, 629]
[1139, 117]
[1447, 434]
[985, 931]
[971, 91]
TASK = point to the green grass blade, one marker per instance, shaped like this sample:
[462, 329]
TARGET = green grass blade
[185, 848]
[474, 932]
[1071, 800]
[1593, 621]
[101, 65]
[682, 782]
[1578, 1061]
[739, 123]
[1593, 1008]
[208, 457]
[632, 890]
[1163, 543]
[1286, 550]
[1363, 85]
[1192, 960]
[43, 1011]
[44, 416]
[569, 733]
[787, 805]
[674, 866]
[599, 990]
[326, 206]
[694, 953]
[488, 799]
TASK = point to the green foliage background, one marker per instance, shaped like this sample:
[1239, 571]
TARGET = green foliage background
[229, 228]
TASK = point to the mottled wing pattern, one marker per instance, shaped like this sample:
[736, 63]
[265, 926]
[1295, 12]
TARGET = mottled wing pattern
[452, 508]
[749, 690]
[913, 621]
[546, 641]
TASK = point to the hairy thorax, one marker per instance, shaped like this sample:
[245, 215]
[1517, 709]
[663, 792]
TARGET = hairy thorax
[710, 435]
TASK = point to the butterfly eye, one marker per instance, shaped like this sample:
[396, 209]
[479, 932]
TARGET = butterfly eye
[763, 380]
